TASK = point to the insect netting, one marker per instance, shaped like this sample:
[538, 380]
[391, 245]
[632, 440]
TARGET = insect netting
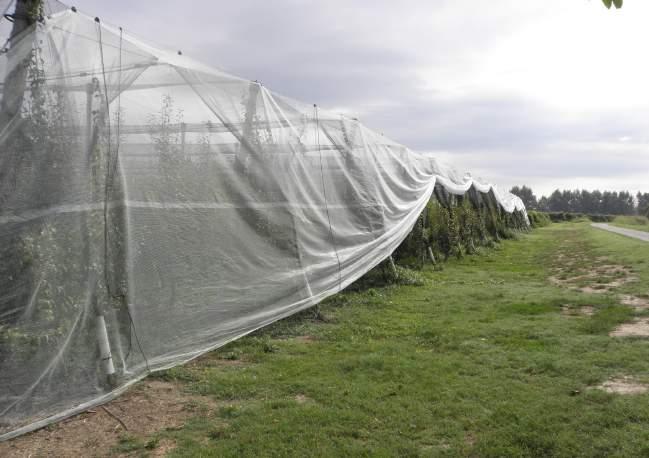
[153, 208]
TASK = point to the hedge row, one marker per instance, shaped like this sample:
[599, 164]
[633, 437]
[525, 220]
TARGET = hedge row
[560, 217]
[449, 226]
[539, 219]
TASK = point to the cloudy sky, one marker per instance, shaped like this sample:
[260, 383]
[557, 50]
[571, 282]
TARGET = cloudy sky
[538, 92]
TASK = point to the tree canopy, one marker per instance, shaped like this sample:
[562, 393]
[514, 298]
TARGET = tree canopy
[526, 195]
[583, 201]
[609, 3]
[596, 202]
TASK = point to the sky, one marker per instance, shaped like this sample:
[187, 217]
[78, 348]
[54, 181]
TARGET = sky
[550, 94]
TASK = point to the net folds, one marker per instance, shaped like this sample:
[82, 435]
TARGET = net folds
[153, 208]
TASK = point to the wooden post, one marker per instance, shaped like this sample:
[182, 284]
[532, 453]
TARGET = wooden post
[248, 136]
[249, 140]
[92, 134]
[393, 266]
[183, 135]
[90, 88]
[431, 256]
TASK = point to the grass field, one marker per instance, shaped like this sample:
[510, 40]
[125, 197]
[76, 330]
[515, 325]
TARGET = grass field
[479, 361]
[639, 223]
[498, 354]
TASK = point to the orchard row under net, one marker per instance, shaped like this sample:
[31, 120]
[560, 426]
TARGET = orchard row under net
[153, 208]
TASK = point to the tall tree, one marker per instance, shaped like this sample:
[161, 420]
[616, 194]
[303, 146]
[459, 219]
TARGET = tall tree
[592, 202]
[544, 204]
[643, 203]
[558, 202]
[526, 195]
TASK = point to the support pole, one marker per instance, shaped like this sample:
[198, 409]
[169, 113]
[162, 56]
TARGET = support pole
[183, 135]
[393, 266]
[117, 339]
[104, 350]
[431, 255]
[92, 139]
[90, 88]
[472, 247]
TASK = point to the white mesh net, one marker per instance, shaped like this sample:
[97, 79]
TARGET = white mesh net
[153, 208]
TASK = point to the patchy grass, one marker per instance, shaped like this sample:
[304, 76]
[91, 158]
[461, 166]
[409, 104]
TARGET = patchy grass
[481, 359]
[639, 223]
[478, 361]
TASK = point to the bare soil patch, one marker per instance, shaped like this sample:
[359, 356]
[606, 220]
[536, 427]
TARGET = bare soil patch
[584, 310]
[638, 303]
[301, 399]
[599, 278]
[624, 386]
[306, 339]
[638, 328]
[228, 361]
[147, 408]
[163, 448]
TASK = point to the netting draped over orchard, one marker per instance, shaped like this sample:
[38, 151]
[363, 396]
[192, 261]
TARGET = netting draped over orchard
[153, 208]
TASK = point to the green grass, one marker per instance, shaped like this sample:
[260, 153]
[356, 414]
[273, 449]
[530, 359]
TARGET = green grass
[479, 361]
[639, 223]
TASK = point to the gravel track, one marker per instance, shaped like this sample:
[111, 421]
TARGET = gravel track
[622, 231]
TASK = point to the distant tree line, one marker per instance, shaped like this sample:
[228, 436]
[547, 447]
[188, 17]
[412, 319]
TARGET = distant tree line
[588, 202]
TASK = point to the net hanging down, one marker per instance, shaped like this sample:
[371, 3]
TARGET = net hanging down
[153, 208]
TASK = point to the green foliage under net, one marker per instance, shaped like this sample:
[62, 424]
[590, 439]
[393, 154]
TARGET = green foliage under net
[539, 219]
[451, 226]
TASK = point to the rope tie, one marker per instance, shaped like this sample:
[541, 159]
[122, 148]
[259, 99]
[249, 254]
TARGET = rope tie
[324, 192]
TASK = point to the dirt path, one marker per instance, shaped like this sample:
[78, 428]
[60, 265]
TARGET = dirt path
[126, 424]
[620, 230]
